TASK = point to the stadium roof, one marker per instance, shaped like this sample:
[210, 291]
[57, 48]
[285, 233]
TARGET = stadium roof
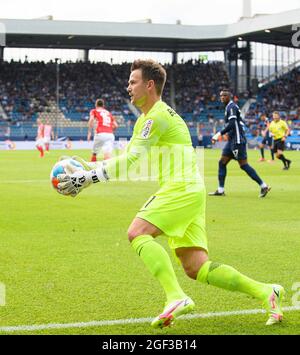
[273, 29]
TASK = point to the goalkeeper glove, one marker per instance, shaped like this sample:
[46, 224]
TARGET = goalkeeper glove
[88, 165]
[72, 185]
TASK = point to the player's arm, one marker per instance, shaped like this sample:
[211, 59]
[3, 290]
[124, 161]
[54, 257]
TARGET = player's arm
[90, 126]
[114, 168]
[265, 132]
[228, 128]
[271, 129]
[287, 132]
[114, 124]
[138, 146]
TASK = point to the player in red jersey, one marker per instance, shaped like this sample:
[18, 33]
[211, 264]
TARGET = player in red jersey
[48, 134]
[40, 145]
[104, 137]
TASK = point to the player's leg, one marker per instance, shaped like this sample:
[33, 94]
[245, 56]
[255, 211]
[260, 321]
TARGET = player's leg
[262, 151]
[222, 172]
[172, 212]
[280, 156]
[198, 267]
[141, 234]
[47, 144]
[41, 150]
[108, 146]
[97, 145]
[264, 188]
[241, 155]
[40, 147]
[270, 143]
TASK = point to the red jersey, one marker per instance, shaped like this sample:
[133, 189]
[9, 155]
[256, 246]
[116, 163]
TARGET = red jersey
[40, 131]
[104, 120]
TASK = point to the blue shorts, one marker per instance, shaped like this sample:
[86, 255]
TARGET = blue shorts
[267, 140]
[235, 151]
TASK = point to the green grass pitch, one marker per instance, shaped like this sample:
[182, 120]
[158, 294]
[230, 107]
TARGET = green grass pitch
[67, 260]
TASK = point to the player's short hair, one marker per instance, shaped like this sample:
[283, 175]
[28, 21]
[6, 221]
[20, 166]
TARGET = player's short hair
[276, 113]
[99, 103]
[151, 70]
[226, 91]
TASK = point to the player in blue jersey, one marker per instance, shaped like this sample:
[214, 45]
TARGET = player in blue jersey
[236, 147]
[267, 138]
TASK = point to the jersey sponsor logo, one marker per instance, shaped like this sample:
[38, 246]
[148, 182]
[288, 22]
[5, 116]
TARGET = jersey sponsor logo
[147, 129]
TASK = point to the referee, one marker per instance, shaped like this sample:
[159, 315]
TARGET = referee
[280, 130]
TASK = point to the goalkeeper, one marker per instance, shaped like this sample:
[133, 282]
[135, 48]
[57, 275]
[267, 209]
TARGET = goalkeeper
[177, 210]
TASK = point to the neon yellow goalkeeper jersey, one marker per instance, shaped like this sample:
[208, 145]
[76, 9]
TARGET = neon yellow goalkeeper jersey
[164, 139]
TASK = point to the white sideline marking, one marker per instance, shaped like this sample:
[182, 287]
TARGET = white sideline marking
[23, 181]
[102, 323]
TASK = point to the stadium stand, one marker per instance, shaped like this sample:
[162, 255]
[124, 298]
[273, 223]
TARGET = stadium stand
[282, 95]
[28, 91]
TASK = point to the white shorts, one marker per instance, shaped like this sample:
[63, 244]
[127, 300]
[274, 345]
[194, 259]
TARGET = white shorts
[104, 141]
[40, 142]
[47, 140]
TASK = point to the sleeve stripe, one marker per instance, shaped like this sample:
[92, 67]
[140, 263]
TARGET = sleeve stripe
[232, 117]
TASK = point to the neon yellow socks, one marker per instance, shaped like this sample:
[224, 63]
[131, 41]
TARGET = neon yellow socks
[159, 264]
[228, 278]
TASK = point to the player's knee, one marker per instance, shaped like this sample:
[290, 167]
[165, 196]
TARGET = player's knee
[191, 272]
[131, 234]
[134, 232]
[245, 166]
[222, 164]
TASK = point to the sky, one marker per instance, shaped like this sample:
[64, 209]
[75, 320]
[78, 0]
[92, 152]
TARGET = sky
[194, 12]
[189, 12]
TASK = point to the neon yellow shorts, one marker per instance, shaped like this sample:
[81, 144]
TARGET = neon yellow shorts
[178, 211]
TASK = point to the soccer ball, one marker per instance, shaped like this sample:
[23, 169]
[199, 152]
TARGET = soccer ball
[65, 166]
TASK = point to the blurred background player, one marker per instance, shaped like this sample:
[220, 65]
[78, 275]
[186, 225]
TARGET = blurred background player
[200, 133]
[104, 132]
[40, 145]
[236, 147]
[267, 138]
[48, 135]
[280, 130]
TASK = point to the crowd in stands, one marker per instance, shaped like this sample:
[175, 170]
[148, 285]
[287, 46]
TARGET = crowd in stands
[83, 83]
[197, 86]
[282, 95]
[26, 89]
